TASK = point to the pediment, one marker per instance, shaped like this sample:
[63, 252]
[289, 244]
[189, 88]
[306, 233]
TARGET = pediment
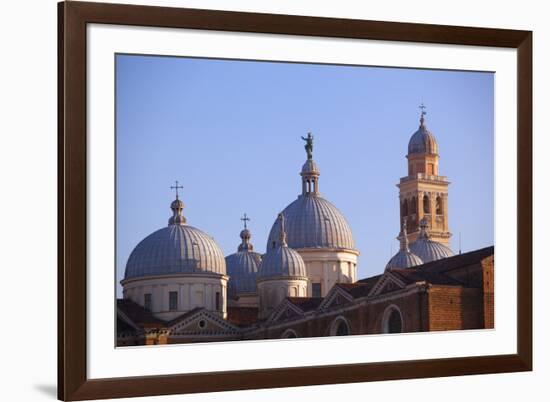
[202, 322]
[336, 297]
[285, 311]
[386, 284]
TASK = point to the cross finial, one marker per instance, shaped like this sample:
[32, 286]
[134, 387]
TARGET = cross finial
[422, 113]
[422, 108]
[245, 219]
[176, 187]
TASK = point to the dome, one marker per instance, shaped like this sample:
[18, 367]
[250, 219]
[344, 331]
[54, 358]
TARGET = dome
[281, 260]
[422, 141]
[176, 249]
[429, 250]
[313, 222]
[242, 268]
[310, 167]
[404, 258]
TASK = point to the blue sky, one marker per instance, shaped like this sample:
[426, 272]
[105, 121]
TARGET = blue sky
[229, 132]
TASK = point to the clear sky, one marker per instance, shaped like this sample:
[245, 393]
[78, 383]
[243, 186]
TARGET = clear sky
[229, 132]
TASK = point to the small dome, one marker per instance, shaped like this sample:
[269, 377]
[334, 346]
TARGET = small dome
[310, 168]
[429, 250]
[242, 268]
[175, 249]
[422, 141]
[281, 260]
[313, 222]
[404, 258]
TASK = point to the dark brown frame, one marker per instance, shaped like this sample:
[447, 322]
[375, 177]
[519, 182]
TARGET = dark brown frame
[73, 383]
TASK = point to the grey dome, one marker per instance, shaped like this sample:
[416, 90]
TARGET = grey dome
[422, 141]
[429, 250]
[242, 268]
[404, 259]
[176, 249]
[313, 222]
[281, 260]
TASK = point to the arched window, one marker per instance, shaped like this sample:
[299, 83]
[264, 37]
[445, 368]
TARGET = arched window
[340, 327]
[392, 320]
[404, 208]
[289, 333]
[438, 206]
[413, 205]
[426, 202]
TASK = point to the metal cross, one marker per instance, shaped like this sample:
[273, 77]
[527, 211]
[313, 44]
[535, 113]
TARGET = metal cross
[244, 219]
[176, 187]
[423, 108]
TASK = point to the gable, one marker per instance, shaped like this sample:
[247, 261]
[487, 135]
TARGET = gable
[336, 297]
[284, 312]
[386, 284]
[203, 322]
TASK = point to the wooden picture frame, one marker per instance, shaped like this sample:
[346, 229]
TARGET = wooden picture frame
[73, 17]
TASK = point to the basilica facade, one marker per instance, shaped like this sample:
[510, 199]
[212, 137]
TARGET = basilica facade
[178, 287]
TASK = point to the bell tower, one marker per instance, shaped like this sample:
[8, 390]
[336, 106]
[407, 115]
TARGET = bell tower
[423, 193]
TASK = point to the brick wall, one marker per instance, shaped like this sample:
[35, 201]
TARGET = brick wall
[454, 308]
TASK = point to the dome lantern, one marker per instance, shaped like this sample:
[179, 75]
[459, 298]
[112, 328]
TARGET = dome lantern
[245, 236]
[310, 172]
[177, 217]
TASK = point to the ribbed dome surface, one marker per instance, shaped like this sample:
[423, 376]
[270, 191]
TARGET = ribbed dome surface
[282, 261]
[173, 250]
[430, 250]
[242, 268]
[404, 259]
[313, 222]
[422, 142]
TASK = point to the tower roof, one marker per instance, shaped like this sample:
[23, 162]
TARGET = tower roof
[422, 141]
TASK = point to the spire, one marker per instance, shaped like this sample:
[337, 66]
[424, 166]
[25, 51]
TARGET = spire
[422, 113]
[403, 239]
[282, 233]
[245, 236]
[177, 208]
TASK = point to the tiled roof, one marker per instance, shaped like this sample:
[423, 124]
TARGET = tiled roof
[306, 303]
[138, 314]
[242, 316]
[417, 275]
[458, 261]
[357, 289]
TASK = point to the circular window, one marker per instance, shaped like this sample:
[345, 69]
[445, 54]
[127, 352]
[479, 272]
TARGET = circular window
[202, 324]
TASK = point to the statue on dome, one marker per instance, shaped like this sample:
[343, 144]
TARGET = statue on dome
[309, 145]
